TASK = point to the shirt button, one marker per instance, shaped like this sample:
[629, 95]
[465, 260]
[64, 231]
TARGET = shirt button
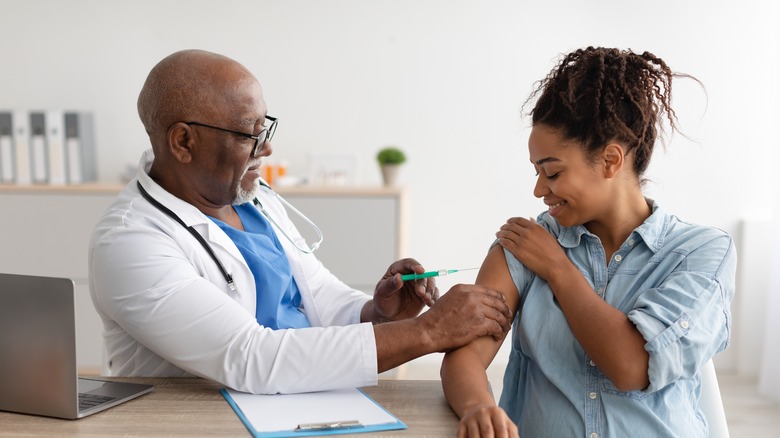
[618, 258]
[684, 324]
[601, 290]
[631, 242]
[593, 395]
[593, 364]
[594, 435]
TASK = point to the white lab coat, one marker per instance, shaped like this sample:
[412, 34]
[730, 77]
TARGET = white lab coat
[168, 311]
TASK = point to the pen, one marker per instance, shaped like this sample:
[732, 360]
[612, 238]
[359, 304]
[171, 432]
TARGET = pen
[348, 424]
[439, 273]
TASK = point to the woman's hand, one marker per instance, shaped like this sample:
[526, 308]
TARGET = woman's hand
[532, 245]
[487, 421]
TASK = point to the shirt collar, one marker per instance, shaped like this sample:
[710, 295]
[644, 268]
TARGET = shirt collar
[651, 231]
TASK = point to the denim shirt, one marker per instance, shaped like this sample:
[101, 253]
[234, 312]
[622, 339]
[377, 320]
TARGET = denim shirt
[674, 281]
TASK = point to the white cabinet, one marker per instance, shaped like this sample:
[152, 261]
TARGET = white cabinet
[46, 231]
[363, 229]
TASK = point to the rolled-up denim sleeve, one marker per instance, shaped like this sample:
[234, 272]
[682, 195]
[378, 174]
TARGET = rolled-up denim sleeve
[686, 319]
[519, 273]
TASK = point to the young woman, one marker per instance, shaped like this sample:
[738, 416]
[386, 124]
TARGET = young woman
[617, 303]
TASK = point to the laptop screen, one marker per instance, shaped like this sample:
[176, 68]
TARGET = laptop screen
[38, 345]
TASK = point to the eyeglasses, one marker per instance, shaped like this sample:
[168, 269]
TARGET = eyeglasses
[265, 134]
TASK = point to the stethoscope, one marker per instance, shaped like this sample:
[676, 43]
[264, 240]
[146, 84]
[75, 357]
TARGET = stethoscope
[210, 251]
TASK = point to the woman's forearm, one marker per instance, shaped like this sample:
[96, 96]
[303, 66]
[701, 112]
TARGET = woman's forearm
[465, 381]
[605, 333]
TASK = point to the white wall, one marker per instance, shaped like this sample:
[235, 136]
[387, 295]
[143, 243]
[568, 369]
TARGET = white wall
[769, 380]
[442, 79]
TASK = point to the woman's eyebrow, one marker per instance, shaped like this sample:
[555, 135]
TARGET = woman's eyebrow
[546, 160]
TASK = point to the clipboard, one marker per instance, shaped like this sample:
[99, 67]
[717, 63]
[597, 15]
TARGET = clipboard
[334, 412]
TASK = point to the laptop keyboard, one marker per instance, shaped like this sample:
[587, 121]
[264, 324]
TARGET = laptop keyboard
[87, 401]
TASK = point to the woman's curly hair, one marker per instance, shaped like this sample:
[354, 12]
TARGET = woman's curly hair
[599, 95]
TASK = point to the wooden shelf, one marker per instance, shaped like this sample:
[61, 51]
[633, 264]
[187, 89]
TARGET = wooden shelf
[99, 188]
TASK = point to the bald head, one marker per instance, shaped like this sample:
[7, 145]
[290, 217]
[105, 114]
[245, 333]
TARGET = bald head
[189, 85]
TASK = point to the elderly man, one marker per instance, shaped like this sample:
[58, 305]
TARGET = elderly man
[196, 269]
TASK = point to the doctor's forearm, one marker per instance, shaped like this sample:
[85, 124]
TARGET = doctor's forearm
[401, 341]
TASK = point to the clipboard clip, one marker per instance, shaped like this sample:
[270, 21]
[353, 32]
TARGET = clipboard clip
[328, 425]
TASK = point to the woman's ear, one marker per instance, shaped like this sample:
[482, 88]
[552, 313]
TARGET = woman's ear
[614, 158]
[180, 142]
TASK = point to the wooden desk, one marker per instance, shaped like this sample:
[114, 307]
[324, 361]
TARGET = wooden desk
[194, 407]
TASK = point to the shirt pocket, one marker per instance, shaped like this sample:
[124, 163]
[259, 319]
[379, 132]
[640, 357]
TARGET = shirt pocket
[609, 388]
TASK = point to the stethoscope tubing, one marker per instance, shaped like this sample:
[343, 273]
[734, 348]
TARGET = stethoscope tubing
[228, 277]
[317, 230]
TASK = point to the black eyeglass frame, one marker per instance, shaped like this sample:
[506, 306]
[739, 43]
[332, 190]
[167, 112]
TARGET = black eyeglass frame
[259, 138]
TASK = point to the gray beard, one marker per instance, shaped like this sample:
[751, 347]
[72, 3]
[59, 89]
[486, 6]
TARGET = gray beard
[244, 196]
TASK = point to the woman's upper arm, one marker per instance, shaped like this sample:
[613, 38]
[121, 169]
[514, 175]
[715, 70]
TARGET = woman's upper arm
[494, 274]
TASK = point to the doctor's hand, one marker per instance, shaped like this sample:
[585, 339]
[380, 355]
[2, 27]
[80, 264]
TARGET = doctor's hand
[463, 314]
[532, 245]
[395, 299]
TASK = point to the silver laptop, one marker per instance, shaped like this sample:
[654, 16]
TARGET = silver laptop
[38, 353]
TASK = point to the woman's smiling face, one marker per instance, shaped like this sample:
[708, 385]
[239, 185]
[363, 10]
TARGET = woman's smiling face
[570, 183]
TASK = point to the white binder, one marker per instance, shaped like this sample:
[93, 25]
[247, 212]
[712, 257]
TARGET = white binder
[80, 161]
[20, 120]
[39, 160]
[55, 143]
[7, 159]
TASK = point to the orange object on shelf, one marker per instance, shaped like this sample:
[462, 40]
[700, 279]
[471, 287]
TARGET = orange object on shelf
[271, 171]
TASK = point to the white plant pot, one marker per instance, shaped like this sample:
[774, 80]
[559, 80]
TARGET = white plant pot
[390, 173]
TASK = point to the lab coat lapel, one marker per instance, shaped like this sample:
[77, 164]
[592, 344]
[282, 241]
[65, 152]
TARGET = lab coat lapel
[214, 236]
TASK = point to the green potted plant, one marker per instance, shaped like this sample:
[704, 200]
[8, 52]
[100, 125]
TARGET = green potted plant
[390, 159]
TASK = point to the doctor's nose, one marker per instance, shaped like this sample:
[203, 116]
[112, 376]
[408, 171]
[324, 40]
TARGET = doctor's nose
[266, 150]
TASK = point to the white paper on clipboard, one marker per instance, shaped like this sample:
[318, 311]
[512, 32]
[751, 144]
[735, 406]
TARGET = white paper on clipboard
[281, 414]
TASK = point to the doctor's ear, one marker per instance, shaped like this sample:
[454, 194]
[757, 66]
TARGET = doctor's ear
[180, 142]
[613, 158]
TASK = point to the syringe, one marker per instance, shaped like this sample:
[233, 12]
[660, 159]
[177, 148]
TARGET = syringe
[439, 273]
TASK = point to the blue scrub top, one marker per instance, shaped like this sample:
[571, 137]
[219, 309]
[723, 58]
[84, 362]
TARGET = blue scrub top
[278, 297]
